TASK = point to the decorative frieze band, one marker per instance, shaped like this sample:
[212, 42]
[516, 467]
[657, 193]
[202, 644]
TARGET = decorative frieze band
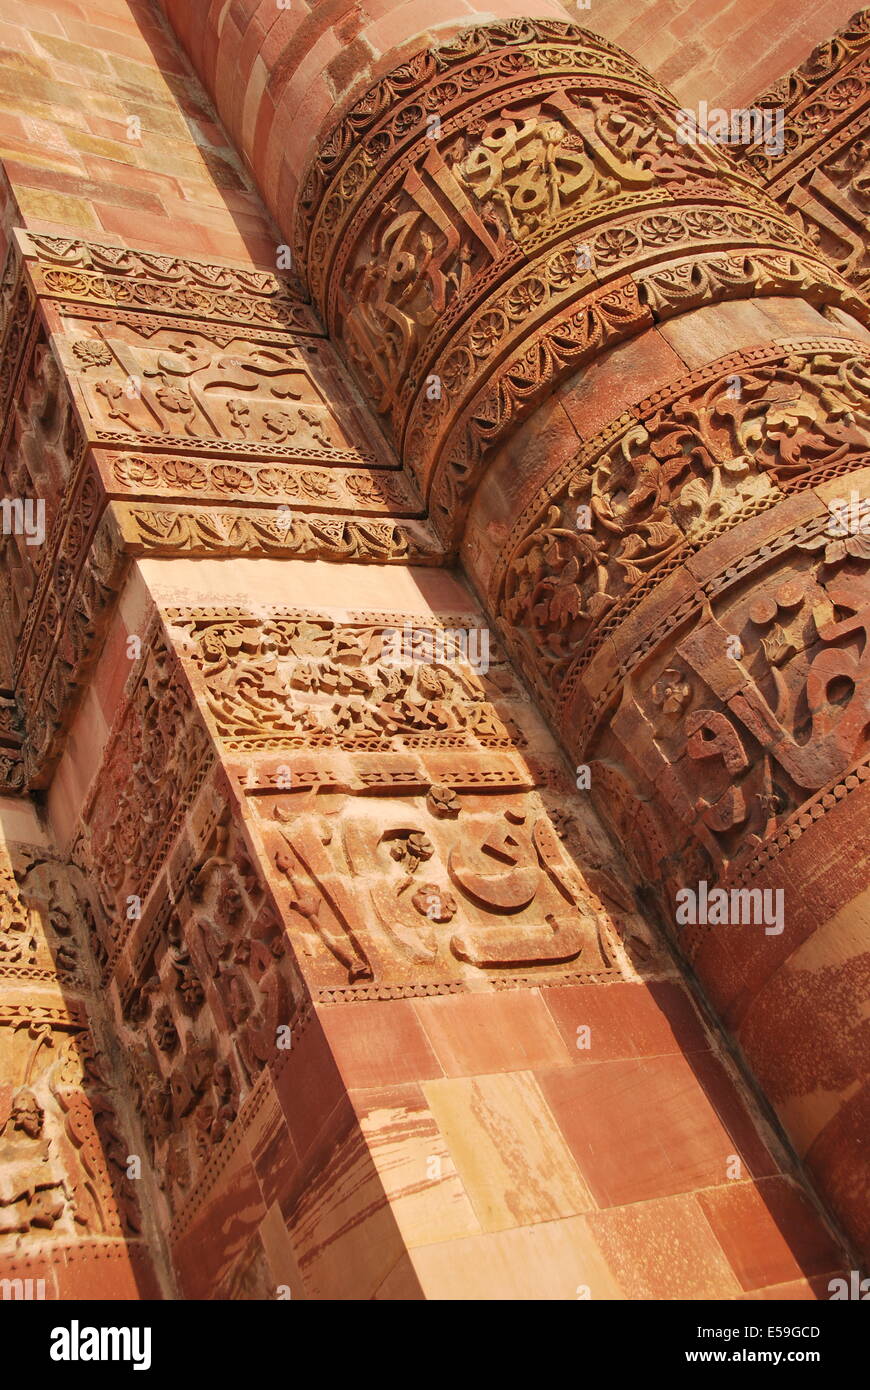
[505, 207]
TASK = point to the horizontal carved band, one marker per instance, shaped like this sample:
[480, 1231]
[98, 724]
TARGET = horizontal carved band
[658, 484]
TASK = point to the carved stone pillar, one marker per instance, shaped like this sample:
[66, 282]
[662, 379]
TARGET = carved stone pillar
[637, 396]
[821, 175]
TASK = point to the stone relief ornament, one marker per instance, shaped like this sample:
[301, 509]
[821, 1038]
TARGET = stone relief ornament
[63, 1160]
[490, 889]
[304, 681]
[160, 382]
[413, 843]
[671, 478]
[741, 716]
[820, 177]
[294, 809]
[491, 254]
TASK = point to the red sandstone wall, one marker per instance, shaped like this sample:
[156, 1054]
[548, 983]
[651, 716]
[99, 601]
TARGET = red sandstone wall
[71, 78]
[725, 52]
[282, 73]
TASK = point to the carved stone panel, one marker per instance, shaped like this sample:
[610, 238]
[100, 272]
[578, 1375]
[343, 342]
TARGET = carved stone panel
[412, 840]
[64, 1169]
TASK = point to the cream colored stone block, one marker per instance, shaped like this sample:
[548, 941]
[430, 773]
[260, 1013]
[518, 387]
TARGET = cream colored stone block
[510, 1153]
[419, 1176]
[556, 1261]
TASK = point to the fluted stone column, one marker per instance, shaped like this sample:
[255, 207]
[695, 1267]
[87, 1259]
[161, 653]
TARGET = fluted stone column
[635, 397]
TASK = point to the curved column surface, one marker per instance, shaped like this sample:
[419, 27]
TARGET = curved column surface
[676, 555]
[505, 208]
[637, 398]
[280, 76]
